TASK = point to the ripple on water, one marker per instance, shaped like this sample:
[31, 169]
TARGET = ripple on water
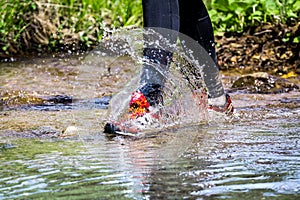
[226, 163]
[257, 156]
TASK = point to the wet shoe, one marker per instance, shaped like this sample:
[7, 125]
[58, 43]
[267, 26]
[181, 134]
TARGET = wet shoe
[227, 108]
[141, 115]
[138, 105]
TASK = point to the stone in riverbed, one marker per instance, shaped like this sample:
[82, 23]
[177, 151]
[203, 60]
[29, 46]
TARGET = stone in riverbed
[263, 83]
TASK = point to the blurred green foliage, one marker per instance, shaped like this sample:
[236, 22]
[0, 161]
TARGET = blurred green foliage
[40, 24]
[236, 15]
[48, 24]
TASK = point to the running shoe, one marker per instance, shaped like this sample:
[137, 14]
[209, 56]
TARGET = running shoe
[227, 108]
[143, 112]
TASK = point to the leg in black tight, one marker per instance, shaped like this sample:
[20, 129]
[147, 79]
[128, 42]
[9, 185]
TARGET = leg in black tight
[158, 14]
[163, 14]
[195, 22]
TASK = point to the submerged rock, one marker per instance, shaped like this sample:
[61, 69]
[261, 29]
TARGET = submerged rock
[69, 132]
[18, 97]
[263, 83]
[46, 132]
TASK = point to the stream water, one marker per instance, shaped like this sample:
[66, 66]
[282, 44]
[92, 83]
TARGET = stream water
[52, 113]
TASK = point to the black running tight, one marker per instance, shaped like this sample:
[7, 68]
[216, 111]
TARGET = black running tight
[189, 17]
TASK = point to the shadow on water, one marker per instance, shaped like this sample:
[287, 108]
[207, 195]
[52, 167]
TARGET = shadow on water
[52, 145]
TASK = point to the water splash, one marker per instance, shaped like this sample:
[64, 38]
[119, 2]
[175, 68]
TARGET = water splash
[185, 77]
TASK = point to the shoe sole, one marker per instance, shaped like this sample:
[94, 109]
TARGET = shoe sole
[114, 129]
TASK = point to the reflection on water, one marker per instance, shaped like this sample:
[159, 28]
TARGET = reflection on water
[255, 155]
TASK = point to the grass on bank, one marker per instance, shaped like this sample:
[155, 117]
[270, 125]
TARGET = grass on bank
[51, 25]
[236, 15]
[54, 25]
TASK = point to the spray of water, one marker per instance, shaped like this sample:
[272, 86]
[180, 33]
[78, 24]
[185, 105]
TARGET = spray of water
[118, 65]
[185, 76]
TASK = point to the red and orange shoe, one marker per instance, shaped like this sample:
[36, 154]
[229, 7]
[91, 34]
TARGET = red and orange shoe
[138, 105]
[140, 116]
[227, 108]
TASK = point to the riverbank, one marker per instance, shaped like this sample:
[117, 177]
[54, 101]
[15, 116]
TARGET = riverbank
[272, 48]
[259, 42]
[264, 48]
[61, 26]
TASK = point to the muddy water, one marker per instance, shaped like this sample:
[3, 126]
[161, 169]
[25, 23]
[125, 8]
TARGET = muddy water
[52, 146]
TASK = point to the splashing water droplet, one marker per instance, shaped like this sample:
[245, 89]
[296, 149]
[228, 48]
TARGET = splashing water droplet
[183, 76]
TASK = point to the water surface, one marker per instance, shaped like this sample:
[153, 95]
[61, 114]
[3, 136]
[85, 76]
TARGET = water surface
[56, 149]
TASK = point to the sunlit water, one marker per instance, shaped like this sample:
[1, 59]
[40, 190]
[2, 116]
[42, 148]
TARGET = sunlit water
[250, 160]
[57, 150]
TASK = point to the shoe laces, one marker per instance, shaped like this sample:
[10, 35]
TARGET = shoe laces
[138, 105]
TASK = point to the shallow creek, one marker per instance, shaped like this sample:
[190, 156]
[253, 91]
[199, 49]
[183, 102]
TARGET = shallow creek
[52, 113]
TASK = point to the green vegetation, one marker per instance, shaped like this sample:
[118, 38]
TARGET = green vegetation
[54, 25]
[236, 15]
[71, 25]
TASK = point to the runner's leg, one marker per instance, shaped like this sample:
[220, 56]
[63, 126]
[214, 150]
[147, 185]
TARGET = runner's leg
[195, 23]
[158, 14]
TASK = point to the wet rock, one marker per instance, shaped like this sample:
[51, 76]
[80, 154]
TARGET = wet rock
[263, 83]
[63, 99]
[20, 100]
[69, 131]
[18, 97]
[46, 132]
